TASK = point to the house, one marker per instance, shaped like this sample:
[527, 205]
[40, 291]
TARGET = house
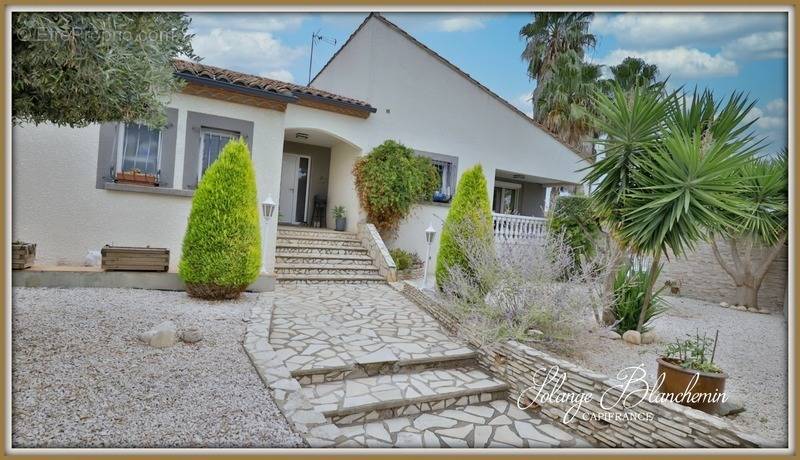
[382, 84]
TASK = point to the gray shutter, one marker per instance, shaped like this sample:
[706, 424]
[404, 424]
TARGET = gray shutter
[195, 122]
[169, 138]
[107, 154]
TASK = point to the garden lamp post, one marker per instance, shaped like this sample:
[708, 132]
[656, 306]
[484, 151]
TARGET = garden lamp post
[267, 209]
[430, 232]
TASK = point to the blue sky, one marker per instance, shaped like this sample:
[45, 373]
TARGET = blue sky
[722, 51]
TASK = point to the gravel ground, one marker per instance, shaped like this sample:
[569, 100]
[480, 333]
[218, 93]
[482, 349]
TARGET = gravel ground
[752, 350]
[81, 378]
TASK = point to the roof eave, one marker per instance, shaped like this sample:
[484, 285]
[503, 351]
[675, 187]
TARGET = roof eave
[236, 88]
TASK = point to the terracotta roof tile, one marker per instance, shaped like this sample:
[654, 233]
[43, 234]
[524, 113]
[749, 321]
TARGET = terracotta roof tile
[261, 83]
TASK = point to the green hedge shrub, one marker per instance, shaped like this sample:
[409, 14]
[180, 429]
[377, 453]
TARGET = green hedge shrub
[390, 180]
[222, 246]
[404, 260]
[574, 216]
[469, 219]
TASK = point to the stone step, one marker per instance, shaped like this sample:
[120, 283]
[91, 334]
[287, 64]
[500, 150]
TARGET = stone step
[494, 424]
[314, 241]
[330, 278]
[318, 249]
[324, 269]
[314, 232]
[322, 259]
[366, 399]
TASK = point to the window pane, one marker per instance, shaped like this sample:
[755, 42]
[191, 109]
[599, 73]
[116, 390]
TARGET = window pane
[140, 149]
[213, 143]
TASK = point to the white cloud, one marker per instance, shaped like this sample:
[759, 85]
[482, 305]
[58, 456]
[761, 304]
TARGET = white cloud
[647, 30]
[772, 123]
[251, 52]
[679, 62]
[757, 46]
[459, 24]
[523, 102]
[259, 22]
[777, 106]
[279, 74]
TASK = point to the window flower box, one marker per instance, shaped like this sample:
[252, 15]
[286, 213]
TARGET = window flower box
[22, 255]
[136, 178]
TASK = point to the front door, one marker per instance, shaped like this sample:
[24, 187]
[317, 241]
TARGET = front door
[293, 205]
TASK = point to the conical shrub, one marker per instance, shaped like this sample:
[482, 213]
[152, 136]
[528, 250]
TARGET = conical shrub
[222, 246]
[469, 221]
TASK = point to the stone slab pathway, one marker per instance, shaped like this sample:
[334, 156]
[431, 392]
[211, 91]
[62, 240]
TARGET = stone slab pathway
[383, 373]
[331, 327]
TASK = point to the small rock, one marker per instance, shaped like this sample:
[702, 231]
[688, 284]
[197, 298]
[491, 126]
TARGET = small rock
[161, 336]
[535, 332]
[724, 304]
[632, 337]
[730, 407]
[739, 307]
[609, 334]
[191, 335]
[648, 337]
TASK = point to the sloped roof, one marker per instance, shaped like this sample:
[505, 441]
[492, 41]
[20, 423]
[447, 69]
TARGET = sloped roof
[454, 67]
[267, 85]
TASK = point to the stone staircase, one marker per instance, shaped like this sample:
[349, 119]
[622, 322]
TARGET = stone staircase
[382, 373]
[314, 255]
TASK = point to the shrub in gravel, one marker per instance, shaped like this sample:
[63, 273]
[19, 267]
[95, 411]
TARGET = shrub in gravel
[222, 246]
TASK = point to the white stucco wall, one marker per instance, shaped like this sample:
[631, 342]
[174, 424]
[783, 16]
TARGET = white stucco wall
[433, 108]
[56, 205]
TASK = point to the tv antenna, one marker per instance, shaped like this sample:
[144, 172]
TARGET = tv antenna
[316, 37]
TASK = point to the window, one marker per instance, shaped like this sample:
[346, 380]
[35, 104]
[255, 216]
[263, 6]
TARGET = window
[506, 198]
[447, 167]
[139, 148]
[445, 170]
[211, 144]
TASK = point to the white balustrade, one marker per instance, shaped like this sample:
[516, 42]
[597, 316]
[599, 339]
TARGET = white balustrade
[512, 227]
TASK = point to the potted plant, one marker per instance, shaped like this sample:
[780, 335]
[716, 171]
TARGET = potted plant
[136, 177]
[409, 265]
[341, 219]
[685, 359]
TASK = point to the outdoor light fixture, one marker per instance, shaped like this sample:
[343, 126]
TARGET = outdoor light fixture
[268, 207]
[430, 233]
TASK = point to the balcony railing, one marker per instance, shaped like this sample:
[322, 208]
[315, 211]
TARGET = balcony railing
[511, 227]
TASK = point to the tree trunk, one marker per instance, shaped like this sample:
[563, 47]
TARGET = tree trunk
[747, 280]
[648, 293]
[615, 262]
[747, 294]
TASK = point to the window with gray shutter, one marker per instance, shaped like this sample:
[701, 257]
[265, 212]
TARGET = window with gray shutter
[136, 147]
[206, 136]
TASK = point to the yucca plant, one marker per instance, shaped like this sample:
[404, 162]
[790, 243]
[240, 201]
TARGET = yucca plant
[672, 170]
[630, 287]
[764, 188]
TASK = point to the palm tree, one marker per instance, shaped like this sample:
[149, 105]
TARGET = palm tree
[672, 170]
[633, 72]
[565, 104]
[548, 36]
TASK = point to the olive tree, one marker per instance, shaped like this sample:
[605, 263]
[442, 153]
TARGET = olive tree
[77, 68]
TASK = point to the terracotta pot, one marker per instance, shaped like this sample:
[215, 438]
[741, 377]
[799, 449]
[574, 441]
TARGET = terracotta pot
[676, 381]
